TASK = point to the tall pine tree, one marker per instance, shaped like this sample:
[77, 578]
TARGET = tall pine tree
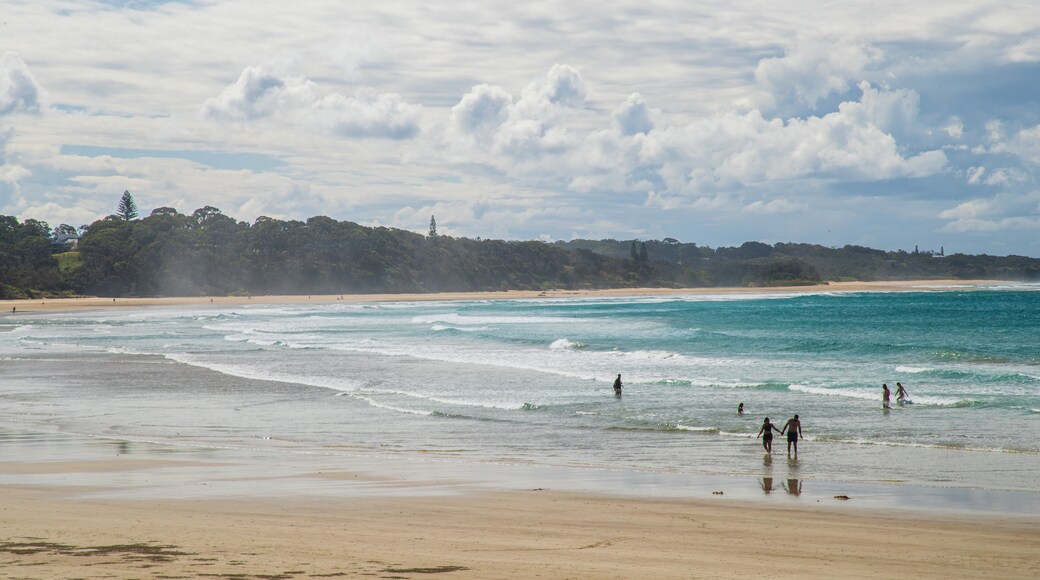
[127, 207]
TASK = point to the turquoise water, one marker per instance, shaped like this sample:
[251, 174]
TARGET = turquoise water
[529, 381]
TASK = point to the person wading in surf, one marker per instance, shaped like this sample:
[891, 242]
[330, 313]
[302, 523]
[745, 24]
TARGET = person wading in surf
[793, 427]
[901, 393]
[617, 386]
[766, 433]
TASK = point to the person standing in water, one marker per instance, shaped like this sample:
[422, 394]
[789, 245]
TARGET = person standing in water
[901, 394]
[617, 385]
[766, 433]
[886, 396]
[740, 409]
[793, 427]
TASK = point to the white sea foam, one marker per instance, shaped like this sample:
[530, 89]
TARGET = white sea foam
[440, 327]
[387, 407]
[836, 392]
[253, 372]
[682, 427]
[565, 344]
[913, 370]
[452, 318]
[875, 395]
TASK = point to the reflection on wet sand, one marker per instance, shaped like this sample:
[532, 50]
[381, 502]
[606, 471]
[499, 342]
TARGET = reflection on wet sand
[767, 485]
[793, 486]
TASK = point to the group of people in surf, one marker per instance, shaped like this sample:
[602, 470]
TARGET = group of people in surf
[902, 396]
[793, 430]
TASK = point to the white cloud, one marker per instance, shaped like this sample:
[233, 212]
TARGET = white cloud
[256, 94]
[368, 114]
[991, 226]
[731, 151]
[482, 110]
[774, 206]
[259, 93]
[954, 127]
[1004, 212]
[722, 153]
[1025, 51]
[969, 210]
[633, 116]
[534, 126]
[812, 69]
[19, 92]
[1026, 144]
[562, 86]
[1006, 176]
[55, 214]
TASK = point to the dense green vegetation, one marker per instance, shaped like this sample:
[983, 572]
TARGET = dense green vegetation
[168, 254]
[728, 266]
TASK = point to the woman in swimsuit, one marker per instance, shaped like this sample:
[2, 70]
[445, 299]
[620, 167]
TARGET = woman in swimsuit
[766, 432]
[901, 393]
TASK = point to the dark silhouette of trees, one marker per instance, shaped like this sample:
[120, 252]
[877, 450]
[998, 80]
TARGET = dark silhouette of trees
[207, 252]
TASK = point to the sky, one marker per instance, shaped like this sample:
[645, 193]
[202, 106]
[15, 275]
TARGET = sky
[891, 125]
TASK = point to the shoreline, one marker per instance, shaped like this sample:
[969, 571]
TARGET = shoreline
[43, 305]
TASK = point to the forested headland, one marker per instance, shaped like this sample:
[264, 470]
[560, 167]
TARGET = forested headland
[208, 253]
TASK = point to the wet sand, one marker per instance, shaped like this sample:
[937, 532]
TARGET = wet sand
[49, 533]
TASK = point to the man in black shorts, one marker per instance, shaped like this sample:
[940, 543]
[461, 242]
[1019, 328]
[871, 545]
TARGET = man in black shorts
[793, 428]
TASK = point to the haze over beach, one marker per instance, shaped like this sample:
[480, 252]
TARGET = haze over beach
[833, 124]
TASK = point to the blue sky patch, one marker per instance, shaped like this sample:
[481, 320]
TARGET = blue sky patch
[214, 159]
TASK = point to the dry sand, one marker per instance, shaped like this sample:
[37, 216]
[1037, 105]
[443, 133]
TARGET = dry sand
[522, 534]
[89, 303]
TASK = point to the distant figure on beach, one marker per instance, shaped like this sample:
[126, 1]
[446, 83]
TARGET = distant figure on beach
[617, 386]
[740, 409]
[886, 396]
[901, 393]
[793, 427]
[766, 433]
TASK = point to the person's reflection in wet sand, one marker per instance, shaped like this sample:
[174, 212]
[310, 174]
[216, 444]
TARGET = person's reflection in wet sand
[793, 486]
[767, 485]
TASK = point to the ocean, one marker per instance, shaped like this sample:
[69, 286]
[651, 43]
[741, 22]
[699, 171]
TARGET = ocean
[529, 382]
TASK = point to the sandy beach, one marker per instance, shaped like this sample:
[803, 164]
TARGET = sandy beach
[93, 302]
[50, 533]
[81, 507]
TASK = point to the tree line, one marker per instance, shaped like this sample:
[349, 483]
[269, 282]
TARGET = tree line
[208, 253]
